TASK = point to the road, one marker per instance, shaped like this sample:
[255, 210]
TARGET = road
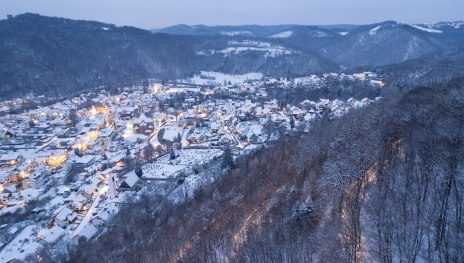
[231, 132]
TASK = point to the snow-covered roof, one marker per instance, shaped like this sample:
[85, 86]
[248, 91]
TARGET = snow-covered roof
[88, 232]
[9, 157]
[85, 160]
[51, 235]
[143, 118]
[21, 246]
[130, 180]
[108, 212]
[106, 132]
[66, 215]
[88, 189]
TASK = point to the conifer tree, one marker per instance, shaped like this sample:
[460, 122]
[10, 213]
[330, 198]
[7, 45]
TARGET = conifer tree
[228, 161]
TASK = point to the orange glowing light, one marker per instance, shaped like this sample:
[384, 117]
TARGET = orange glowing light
[55, 161]
[89, 137]
[25, 173]
[98, 110]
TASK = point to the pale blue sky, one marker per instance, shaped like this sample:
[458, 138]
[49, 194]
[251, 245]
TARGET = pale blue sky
[161, 13]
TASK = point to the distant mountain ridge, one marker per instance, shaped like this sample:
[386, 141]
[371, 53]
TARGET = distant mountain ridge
[59, 57]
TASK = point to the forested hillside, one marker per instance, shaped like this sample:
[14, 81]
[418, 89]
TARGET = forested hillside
[60, 57]
[381, 184]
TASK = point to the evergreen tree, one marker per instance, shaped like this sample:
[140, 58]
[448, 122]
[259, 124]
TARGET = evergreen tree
[292, 122]
[282, 106]
[78, 152]
[138, 169]
[73, 117]
[128, 158]
[172, 154]
[228, 161]
[148, 152]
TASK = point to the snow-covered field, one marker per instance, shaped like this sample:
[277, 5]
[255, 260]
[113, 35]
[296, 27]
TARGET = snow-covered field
[237, 47]
[217, 78]
[374, 30]
[164, 167]
[129, 134]
[171, 132]
[430, 30]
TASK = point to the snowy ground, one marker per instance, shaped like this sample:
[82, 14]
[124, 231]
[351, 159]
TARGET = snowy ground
[172, 131]
[196, 181]
[21, 246]
[430, 30]
[129, 134]
[217, 78]
[164, 167]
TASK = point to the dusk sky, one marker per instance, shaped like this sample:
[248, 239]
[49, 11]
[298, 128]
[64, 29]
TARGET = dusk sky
[150, 14]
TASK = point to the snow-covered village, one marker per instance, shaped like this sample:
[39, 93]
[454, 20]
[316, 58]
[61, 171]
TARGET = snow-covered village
[67, 168]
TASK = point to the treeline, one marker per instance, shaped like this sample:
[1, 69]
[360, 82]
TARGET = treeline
[382, 184]
[332, 89]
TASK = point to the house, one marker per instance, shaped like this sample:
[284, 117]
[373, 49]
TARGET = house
[50, 236]
[28, 183]
[88, 232]
[28, 195]
[142, 124]
[88, 190]
[84, 161]
[10, 189]
[193, 138]
[273, 105]
[128, 112]
[9, 159]
[105, 215]
[297, 112]
[63, 217]
[79, 203]
[225, 140]
[4, 198]
[106, 133]
[197, 137]
[215, 127]
[159, 117]
[14, 202]
[118, 160]
[129, 183]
